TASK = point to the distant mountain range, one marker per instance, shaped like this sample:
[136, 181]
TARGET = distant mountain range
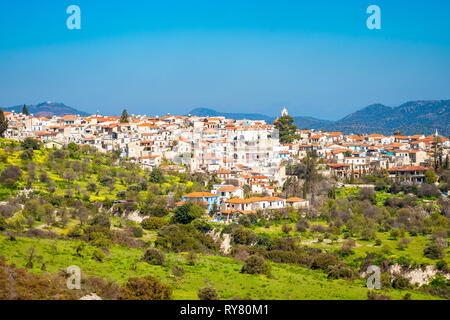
[48, 109]
[412, 117]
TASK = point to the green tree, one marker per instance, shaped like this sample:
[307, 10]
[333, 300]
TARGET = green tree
[287, 129]
[30, 143]
[3, 123]
[156, 176]
[430, 177]
[187, 213]
[25, 110]
[124, 117]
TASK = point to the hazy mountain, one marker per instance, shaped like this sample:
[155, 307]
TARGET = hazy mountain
[410, 118]
[48, 109]
[301, 122]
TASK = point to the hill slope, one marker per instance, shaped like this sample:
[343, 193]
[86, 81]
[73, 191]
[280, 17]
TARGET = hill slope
[410, 118]
[48, 109]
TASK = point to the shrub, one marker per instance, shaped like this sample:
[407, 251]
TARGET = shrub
[434, 251]
[178, 271]
[256, 264]
[400, 282]
[158, 211]
[98, 236]
[31, 144]
[341, 271]
[403, 243]
[208, 293]
[324, 261]
[101, 220]
[372, 295]
[442, 265]
[147, 288]
[347, 246]
[302, 225]
[27, 154]
[367, 194]
[428, 190]
[191, 259]
[154, 256]
[3, 224]
[10, 176]
[243, 236]
[153, 223]
[286, 228]
[99, 255]
[318, 228]
[245, 221]
[136, 231]
[91, 187]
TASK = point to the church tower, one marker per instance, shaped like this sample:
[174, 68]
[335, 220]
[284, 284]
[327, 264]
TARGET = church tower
[284, 112]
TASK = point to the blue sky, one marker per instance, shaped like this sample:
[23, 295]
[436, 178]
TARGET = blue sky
[317, 58]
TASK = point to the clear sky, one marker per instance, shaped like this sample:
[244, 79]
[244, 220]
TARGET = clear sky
[317, 58]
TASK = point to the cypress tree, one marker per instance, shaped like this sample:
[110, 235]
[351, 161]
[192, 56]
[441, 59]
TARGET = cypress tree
[25, 110]
[3, 123]
[124, 117]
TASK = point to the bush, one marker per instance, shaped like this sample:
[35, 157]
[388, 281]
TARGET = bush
[154, 256]
[245, 221]
[27, 154]
[158, 211]
[428, 190]
[30, 144]
[324, 261]
[178, 271]
[136, 231]
[434, 251]
[318, 228]
[372, 295]
[191, 259]
[147, 288]
[101, 220]
[403, 243]
[302, 225]
[207, 293]
[286, 228]
[400, 282]
[153, 223]
[10, 176]
[442, 265]
[367, 194]
[256, 264]
[99, 255]
[243, 236]
[347, 246]
[341, 271]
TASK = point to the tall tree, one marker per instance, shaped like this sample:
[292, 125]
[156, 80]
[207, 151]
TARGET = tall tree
[3, 123]
[287, 129]
[25, 110]
[124, 117]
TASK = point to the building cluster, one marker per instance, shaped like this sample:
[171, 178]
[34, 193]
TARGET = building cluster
[240, 152]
